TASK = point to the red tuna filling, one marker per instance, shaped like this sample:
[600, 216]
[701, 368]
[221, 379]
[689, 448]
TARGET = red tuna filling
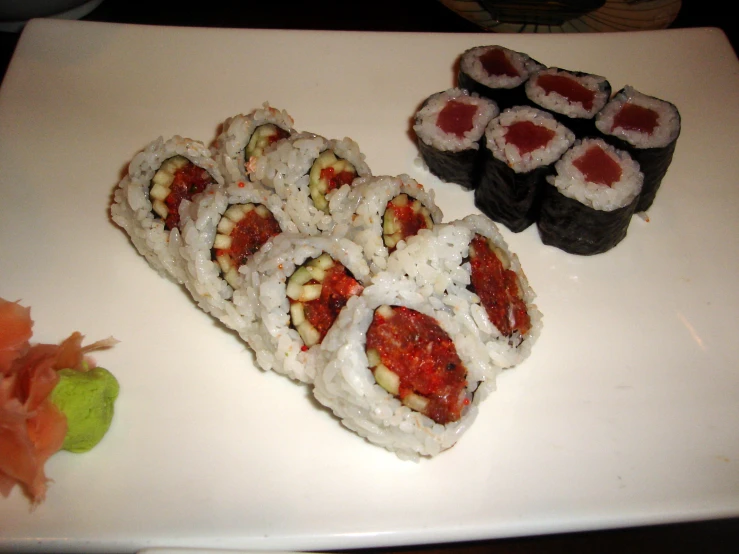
[498, 289]
[337, 287]
[573, 91]
[248, 236]
[527, 136]
[456, 118]
[598, 167]
[413, 346]
[336, 180]
[636, 118]
[408, 216]
[495, 62]
[188, 181]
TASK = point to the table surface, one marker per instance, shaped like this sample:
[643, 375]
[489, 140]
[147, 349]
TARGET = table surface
[386, 15]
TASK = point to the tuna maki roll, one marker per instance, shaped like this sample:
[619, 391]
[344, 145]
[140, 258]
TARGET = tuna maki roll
[587, 205]
[448, 130]
[245, 137]
[521, 147]
[573, 97]
[497, 73]
[151, 202]
[647, 128]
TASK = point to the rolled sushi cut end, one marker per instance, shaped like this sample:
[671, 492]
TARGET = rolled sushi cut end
[587, 206]
[242, 231]
[497, 73]
[498, 287]
[328, 173]
[414, 359]
[571, 93]
[448, 128]
[521, 146]
[404, 216]
[262, 137]
[317, 291]
[648, 128]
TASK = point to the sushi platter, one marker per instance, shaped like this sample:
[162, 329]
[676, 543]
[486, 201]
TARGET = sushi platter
[622, 411]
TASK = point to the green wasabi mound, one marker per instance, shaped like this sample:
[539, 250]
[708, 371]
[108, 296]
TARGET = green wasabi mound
[86, 399]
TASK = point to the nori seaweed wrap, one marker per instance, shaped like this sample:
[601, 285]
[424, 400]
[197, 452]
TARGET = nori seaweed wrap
[497, 73]
[648, 129]
[521, 146]
[573, 97]
[449, 127]
[587, 205]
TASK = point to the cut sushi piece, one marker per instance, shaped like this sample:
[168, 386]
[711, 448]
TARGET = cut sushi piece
[497, 73]
[394, 373]
[299, 170]
[466, 268]
[587, 205]
[573, 97]
[293, 288]
[152, 201]
[449, 126]
[521, 146]
[245, 137]
[648, 129]
[226, 229]
[383, 211]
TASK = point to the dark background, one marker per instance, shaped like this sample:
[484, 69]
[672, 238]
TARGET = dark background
[716, 536]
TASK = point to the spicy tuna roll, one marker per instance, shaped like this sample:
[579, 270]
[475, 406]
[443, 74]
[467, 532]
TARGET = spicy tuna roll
[497, 73]
[313, 175]
[573, 97]
[647, 128]
[226, 229]
[521, 147]
[245, 137]
[385, 210]
[293, 290]
[448, 127]
[393, 371]
[151, 202]
[587, 205]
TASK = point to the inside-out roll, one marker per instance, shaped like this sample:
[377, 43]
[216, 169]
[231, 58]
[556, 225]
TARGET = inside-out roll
[151, 201]
[392, 371]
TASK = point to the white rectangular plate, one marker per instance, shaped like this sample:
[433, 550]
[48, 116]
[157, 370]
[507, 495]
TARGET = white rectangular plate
[626, 413]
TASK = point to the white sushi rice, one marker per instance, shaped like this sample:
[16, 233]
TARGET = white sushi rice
[132, 207]
[345, 384]
[668, 119]
[555, 102]
[366, 207]
[205, 281]
[427, 128]
[571, 182]
[264, 306]
[438, 262]
[471, 65]
[523, 162]
[230, 145]
[285, 168]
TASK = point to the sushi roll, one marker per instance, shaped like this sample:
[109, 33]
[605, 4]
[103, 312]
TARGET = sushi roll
[497, 73]
[385, 210]
[393, 373]
[448, 127]
[521, 147]
[313, 175]
[573, 97]
[587, 205]
[293, 289]
[466, 268]
[226, 229]
[245, 137]
[151, 201]
[648, 129]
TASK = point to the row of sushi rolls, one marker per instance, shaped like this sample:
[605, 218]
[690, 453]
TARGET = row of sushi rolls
[351, 283]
